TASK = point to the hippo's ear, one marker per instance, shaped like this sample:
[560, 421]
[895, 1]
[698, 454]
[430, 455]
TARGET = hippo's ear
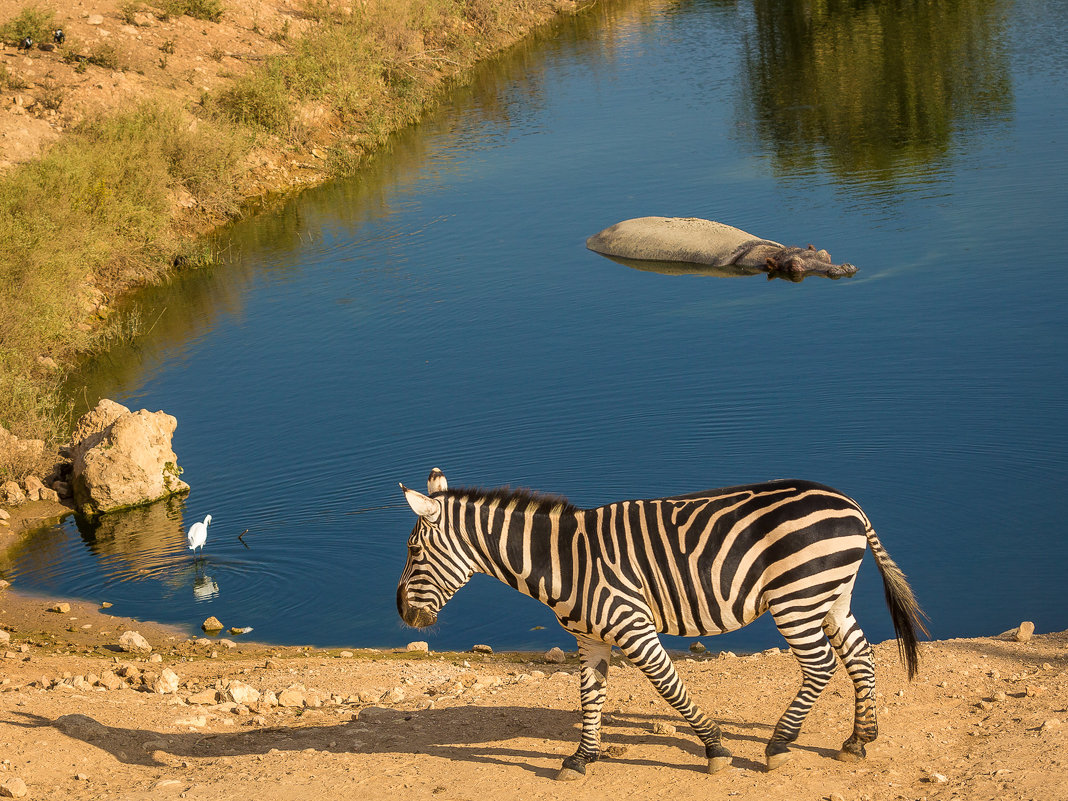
[423, 506]
[436, 482]
[811, 246]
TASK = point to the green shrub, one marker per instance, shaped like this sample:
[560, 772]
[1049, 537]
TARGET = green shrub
[34, 22]
[209, 10]
[105, 55]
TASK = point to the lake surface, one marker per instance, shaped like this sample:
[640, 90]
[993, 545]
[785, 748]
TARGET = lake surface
[440, 309]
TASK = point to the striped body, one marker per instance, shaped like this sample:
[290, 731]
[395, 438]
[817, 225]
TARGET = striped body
[688, 565]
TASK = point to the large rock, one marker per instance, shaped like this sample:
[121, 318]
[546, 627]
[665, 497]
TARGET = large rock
[123, 458]
[134, 642]
[11, 494]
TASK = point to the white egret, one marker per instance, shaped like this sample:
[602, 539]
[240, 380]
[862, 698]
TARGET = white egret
[198, 535]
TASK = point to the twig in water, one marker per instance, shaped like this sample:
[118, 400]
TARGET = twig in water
[241, 537]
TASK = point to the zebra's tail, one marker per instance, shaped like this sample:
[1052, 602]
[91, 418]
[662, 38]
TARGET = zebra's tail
[904, 610]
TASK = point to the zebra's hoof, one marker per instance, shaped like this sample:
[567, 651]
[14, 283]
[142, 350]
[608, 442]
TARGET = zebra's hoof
[778, 760]
[716, 764]
[569, 775]
[850, 756]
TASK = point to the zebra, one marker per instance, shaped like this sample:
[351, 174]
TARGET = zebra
[689, 565]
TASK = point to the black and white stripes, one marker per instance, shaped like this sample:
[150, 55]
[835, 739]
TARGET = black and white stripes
[689, 565]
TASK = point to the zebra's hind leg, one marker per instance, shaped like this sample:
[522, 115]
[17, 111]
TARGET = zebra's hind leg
[852, 646]
[817, 661]
[642, 647]
[593, 679]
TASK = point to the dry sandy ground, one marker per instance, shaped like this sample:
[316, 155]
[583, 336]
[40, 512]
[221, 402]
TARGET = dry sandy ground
[171, 59]
[985, 719]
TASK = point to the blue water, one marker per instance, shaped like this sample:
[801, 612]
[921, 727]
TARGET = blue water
[440, 309]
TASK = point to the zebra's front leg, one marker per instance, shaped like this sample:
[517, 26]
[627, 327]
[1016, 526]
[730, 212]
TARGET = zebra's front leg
[643, 648]
[593, 681]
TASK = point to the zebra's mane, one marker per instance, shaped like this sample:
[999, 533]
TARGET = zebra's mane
[532, 499]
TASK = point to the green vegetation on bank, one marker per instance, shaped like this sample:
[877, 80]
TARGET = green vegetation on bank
[96, 214]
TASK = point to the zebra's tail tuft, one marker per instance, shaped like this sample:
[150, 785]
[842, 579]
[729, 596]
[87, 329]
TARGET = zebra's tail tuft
[905, 612]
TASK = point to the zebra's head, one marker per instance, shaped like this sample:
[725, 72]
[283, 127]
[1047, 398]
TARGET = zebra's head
[436, 567]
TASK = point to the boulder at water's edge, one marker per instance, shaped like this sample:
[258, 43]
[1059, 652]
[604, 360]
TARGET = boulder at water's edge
[123, 458]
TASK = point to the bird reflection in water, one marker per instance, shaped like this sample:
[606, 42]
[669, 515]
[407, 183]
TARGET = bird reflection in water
[205, 588]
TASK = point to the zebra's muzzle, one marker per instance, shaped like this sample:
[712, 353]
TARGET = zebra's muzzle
[416, 616]
[419, 617]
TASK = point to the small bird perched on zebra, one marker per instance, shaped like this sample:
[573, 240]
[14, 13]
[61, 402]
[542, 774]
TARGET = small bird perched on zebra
[697, 564]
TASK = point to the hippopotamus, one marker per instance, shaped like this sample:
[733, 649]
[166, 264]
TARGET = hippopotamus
[704, 242]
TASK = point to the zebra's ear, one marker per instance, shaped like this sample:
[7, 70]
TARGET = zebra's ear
[422, 505]
[436, 482]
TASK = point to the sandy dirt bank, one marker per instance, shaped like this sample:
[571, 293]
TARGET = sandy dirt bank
[985, 719]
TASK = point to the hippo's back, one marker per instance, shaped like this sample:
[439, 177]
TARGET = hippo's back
[685, 239]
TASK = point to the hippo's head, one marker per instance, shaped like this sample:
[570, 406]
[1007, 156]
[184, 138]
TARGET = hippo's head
[796, 263]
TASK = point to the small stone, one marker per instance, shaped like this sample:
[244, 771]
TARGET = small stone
[1050, 724]
[1025, 631]
[240, 629]
[106, 605]
[60, 608]
[1000, 696]
[13, 788]
[1033, 691]
[936, 778]
[109, 680]
[292, 697]
[33, 487]
[4, 514]
[554, 656]
[482, 649]
[241, 693]
[663, 728]
[835, 797]
[394, 696]
[133, 642]
[81, 777]
[697, 648]
[167, 683]
[418, 646]
[11, 494]
[204, 697]
[95, 19]
[5, 637]
[346, 654]
[4, 584]
[212, 624]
